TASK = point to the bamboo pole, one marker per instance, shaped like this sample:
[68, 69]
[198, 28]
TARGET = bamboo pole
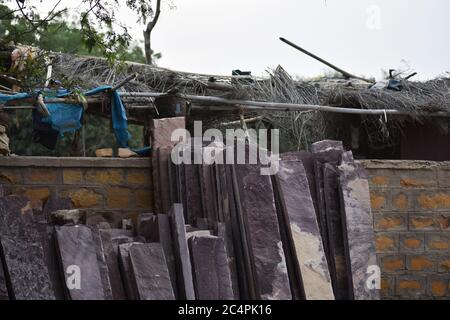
[346, 74]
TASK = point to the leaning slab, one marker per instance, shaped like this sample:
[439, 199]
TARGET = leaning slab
[23, 259]
[150, 273]
[358, 230]
[263, 234]
[78, 258]
[303, 231]
[181, 252]
[212, 277]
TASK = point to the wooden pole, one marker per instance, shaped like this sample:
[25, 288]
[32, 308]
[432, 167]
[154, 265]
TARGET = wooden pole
[346, 74]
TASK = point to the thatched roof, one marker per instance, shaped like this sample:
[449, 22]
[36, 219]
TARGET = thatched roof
[416, 97]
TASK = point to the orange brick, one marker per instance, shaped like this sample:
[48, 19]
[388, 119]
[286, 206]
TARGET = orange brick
[138, 178]
[389, 223]
[445, 265]
[437, 201]
[144, 199]
[401, 202]
[439, 245]
[118, 198]
[111, 177]
[421, 263]
[42, 176]
[414, 183]
[83, 198]
[409, 284]
[37, 197]
[377, 201]
[384, 243]
[72, 176]
[438, 288]
[422, 222]
[380, 180]
[412, 243]
[11, 176]
[393, 264]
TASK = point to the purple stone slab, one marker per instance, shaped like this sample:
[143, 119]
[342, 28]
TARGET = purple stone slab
[183, 263]
[359, 236]
[212, 277]
[194, 208]
[126, 270]
[152, 280]
[263, 234]
[336, 238]
[112, 262]
[167, 243]
[163, 158]
[303, 232]
[156, 181]
[76, 247]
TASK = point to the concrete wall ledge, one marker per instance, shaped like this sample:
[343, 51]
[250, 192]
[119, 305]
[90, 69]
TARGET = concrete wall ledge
[404, 164]
[74, 162]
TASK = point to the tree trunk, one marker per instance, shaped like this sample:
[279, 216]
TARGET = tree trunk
[148, 32]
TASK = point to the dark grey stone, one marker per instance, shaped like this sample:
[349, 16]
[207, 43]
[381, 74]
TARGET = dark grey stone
[55, 203]
[103, 267]
[26, 270]
[62, 217]
[51, 258]
[303, 233]
[76, 247]
[147, 226]
[112, 262]
[358, 230]
[185, 284]
[127, 271]
[194, 209]
[151, 276]
[23, 259]
[263, 234]
[212, 277]
[3, 289]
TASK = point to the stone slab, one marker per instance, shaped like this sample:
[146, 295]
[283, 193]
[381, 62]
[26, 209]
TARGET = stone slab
[162, 129]
[194, 209]
[167, 241]
[51, 258]
[212, 277]
[163, 166]
[358, 228]
[263, 234]
[101, 259]
[3, 289]
[183, 263]
[55, 203]
[338, 267]
[112, 261]
[150, 272]
[304, 231]
[23, 258]
[126, 270]
[76, 247]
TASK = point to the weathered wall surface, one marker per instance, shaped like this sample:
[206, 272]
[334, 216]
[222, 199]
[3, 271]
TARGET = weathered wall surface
[410, 202]
[108, 188]
[411, 206]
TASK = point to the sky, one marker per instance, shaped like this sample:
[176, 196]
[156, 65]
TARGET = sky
[360, 36]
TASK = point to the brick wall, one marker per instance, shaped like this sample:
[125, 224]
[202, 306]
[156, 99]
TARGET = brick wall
[411, 206]
[109, 189]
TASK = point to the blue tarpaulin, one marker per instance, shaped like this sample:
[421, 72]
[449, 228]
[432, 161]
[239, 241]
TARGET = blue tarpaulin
[66, 117]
